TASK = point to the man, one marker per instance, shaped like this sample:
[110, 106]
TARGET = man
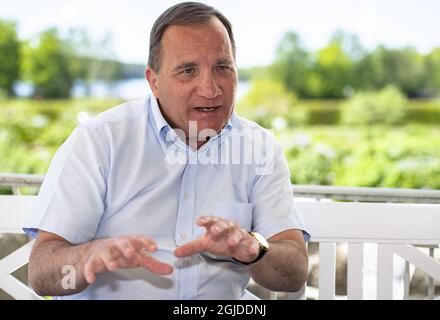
[128, 209]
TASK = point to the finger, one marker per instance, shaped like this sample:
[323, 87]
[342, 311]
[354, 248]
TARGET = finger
[190, 248]
[93, 266]
[247, 249]
[126, 248]
[207, 221]
[154, 265]
[251, 246]
[222, 226]
[235, 237]
[110, 256]
[142, 242]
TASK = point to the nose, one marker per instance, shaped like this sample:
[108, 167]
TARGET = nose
[208, 87]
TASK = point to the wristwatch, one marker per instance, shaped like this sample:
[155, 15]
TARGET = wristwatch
[262, 243]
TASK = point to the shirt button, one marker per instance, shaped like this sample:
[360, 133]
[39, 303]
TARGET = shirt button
[183, 236]
[186, 195]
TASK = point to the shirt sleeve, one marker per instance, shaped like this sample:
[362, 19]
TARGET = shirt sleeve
[71, 200]
[274, 208]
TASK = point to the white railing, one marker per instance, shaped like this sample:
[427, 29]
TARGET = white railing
[17, 181]
[393, 229]
[385, 231]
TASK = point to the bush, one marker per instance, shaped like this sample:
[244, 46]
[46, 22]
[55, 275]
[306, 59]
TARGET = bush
[309, 162]
[415, 172]
[268, 101]
[388, 106]
[364, 168]
[364, 157]
[32, 131]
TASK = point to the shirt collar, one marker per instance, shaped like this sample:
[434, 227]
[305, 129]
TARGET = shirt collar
[163, 130]
[158, 118]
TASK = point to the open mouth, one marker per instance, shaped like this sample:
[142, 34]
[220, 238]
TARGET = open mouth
[206, 109]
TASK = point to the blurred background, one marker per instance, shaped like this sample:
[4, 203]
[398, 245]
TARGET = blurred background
[350, 88]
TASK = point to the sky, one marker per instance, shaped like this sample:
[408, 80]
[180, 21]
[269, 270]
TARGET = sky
[258, 25]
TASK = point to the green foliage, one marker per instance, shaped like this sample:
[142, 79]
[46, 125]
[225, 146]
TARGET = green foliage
[344, 67]
[371, 156]
[327, 73]
[291, 64]
[332, 72]
[415, 172]
[389, 106]
[427, 112]
[93, 61]
[253, 73]
[31, 131]
[10, 57]
[368, 157]
[311, 164]
[271, 105]
[48, 67]
[330, 112]
[404, 68]
[433, 72]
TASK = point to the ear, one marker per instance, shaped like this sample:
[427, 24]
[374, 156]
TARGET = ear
[152, 80]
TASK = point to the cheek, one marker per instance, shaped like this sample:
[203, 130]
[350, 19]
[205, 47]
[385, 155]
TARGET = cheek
[231, 85]
[174, 91]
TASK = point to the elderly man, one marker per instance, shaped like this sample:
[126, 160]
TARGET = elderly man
[160, 199]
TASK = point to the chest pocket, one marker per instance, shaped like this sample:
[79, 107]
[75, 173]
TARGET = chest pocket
[240, 212]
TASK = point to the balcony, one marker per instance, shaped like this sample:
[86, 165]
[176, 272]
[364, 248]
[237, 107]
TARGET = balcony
[376, 239]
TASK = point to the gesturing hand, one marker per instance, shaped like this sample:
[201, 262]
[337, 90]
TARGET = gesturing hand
[223, 237]
[123, 252]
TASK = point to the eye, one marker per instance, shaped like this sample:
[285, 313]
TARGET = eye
[223, 68]
[188, 71]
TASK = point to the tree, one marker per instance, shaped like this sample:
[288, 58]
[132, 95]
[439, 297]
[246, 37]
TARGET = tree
[433, 72]
[404, 68]
[10, 57]
[48, 67]
[92, 61]
[332, 72]
[292, 64]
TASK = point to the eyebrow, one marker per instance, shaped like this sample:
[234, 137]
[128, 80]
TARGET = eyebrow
[188, 65]
[185, 65]
[225, 62]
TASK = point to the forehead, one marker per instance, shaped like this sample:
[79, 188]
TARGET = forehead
[190, 41]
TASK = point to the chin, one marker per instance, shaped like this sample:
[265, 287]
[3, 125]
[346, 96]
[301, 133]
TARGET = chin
[202, 125]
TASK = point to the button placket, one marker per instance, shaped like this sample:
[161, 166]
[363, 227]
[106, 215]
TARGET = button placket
[184, 230]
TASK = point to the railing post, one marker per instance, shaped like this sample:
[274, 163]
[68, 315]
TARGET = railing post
[385, 274]
[327, 270]
[355, 263]
[430, 279]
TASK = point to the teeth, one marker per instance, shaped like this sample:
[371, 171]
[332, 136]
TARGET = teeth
[206, 109]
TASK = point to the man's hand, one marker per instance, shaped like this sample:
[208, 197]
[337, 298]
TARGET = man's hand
[123, 252]
[223, 237]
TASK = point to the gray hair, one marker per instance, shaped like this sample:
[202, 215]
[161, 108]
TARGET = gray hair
[185, 13]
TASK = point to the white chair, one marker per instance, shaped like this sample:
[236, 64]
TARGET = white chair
[394, 227]
[13, 212]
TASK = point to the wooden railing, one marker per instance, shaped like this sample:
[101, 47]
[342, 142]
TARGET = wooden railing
[381, 230]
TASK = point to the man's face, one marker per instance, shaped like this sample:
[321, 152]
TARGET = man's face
[197, 80]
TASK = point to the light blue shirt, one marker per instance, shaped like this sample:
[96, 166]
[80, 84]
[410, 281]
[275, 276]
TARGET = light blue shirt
[126, 172]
